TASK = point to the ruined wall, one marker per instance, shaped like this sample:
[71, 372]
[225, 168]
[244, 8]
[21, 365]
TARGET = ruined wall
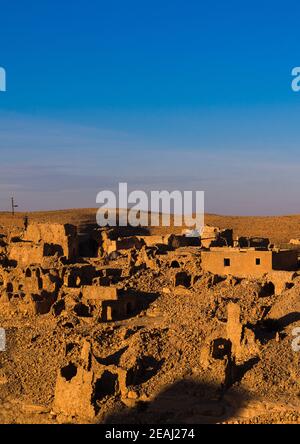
[26, 253]
[31, 290]
[109, 246]
[109, 303]
[62, 236]
[183, 241]
[114, 310]
[215, 237]
[256, 242]
[100, 293]
[281, 280]
[150, 241]
[78, 275]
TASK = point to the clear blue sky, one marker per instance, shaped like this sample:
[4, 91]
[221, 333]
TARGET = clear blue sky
[161, 94]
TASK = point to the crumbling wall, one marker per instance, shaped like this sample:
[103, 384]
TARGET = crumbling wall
[26, 253]
[226, 351]
[255, 242]
[282, 280]
[63, 236]
[31, 289]
[80, 386]
[242, 339]
[110, 246]
[109, 303]
[215, 237]
[153, 240]
[176, 241]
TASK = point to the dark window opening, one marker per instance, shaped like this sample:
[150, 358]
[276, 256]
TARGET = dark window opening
[226, 262]
[175, 264]
[107, 385]
[268, 289]
[9, 287]
[69, 372]
[257, 261]
[220, 348]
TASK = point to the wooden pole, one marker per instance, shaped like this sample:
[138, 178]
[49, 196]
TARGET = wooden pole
[13, 206]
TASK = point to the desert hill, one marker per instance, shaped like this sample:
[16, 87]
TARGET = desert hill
[279, 229]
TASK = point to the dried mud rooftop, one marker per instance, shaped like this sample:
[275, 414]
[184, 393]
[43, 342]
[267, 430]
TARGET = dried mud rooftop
[137, 331]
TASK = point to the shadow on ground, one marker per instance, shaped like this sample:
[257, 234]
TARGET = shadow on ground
[184, 402]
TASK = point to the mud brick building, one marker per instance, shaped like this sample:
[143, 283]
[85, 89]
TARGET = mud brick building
[247, 262]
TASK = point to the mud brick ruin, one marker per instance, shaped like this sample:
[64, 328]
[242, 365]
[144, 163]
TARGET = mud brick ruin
[247, 262]
[114, 316]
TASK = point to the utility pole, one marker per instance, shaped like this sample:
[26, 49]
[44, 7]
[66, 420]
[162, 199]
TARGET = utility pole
[13, 206]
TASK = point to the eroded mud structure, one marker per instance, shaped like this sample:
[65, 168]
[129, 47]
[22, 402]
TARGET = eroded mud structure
[118, 325]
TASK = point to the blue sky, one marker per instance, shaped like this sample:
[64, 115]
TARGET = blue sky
[161, 94]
